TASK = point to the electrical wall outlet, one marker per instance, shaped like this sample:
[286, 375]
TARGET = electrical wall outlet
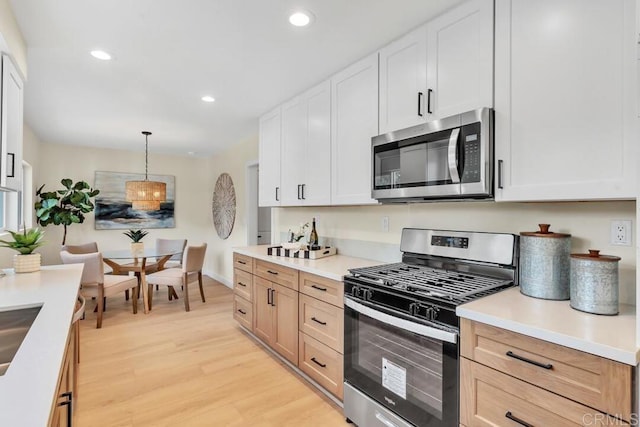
[385, 223]
[621, 232]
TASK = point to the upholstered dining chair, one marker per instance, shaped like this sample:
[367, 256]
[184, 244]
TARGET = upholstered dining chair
[191, 270]
[85, 248]
[175, 260]
[172, 245]
[94, 283]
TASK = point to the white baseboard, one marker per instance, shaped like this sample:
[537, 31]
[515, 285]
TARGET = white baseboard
[219, 278]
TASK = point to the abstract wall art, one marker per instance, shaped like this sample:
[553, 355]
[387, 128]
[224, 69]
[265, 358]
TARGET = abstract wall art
[113, 212]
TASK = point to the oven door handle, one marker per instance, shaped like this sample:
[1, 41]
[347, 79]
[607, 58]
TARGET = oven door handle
[453, 156]
[417, 328]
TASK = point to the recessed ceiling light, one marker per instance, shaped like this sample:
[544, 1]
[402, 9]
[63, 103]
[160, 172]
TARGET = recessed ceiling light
[100, 54]
[300, 18]
[208, 98]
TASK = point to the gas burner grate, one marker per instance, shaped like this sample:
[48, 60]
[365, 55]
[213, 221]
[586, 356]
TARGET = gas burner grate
[429, 281]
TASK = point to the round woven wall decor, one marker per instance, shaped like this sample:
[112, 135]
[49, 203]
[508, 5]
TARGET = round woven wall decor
[224, 205]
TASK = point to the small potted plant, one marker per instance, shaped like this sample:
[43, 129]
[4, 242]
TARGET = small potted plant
[25, 243]
[136, 236]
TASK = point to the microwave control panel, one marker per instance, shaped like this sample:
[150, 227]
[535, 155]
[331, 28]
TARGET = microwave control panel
[471, 156]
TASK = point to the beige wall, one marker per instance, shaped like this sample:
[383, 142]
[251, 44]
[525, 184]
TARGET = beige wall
[195, 181]
[10, 32]
[588, 223]
[234, 162]
[58, 161]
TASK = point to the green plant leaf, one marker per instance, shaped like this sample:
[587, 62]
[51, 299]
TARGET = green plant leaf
[67, 183]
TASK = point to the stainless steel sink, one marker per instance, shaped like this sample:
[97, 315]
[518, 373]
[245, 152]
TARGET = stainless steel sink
[14, 325]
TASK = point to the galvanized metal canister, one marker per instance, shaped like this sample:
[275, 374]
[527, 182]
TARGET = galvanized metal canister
[594, 283]
[544, 264]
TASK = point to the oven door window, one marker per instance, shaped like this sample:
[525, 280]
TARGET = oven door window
[412, 375]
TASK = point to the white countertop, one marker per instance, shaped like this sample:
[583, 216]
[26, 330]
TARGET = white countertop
[613, 337]
[333, 267]
[28, 387]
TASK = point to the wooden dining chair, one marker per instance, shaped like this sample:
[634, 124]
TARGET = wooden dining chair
[191, 270]
[94, 283]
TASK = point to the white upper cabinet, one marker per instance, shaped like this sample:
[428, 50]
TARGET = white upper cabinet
[440, 69]
[354, 121]
[294, 138]
[460, 60]
[269, 192]
[306, 148]
[403, 82]
[565, 101]
[11, 126]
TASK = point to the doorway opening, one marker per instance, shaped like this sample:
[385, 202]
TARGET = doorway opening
[258, 218]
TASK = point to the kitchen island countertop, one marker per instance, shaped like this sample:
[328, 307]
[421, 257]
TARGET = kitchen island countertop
[613, 337]
[28, 387]
[333, 267]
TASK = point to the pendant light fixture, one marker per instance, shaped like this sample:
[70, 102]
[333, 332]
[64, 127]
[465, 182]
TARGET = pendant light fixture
[146, 195]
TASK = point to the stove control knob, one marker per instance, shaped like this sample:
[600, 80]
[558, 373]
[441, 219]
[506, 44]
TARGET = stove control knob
[355, 291]
[367, 294]
[432, 313]
[414, 308]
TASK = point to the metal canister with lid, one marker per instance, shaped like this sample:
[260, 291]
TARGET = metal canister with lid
[544, 264]
[594, 283]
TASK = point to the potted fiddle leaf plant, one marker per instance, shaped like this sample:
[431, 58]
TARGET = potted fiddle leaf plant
[66, 206]
[136, 236]
[25, 242]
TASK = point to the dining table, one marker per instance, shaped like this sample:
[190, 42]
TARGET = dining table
[125, 261]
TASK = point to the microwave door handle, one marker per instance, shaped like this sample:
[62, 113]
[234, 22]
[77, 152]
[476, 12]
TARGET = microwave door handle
[453, 156]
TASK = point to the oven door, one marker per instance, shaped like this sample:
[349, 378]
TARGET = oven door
[408, 367]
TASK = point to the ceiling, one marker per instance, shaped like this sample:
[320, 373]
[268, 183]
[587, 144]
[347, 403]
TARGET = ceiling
[169, 53]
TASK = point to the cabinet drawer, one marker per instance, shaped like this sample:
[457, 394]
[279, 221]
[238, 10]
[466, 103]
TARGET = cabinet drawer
[490, 398]
[321, 363]
[324, 289]
[243, 311]
[242, 284]
[243, 262]
[322, 321]
[276, 273]
[592, 380]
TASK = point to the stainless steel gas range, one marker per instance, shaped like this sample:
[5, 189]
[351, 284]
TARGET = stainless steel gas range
[401, 331]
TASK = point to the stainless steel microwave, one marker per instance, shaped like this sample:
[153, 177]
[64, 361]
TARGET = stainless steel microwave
[450, 158]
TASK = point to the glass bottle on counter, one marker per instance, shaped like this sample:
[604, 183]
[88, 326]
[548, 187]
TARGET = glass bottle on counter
[313, 237]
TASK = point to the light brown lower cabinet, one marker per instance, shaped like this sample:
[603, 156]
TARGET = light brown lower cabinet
[491, 398]
[243, 312]
[511, 379]
[62, 410]
[275, 317]
[322, 363]
[298, 314]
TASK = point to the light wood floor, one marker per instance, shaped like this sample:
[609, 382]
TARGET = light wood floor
[172, 368]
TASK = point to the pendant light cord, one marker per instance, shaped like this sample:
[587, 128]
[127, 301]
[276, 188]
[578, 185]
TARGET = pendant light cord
[146, 134]
[146, 157]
